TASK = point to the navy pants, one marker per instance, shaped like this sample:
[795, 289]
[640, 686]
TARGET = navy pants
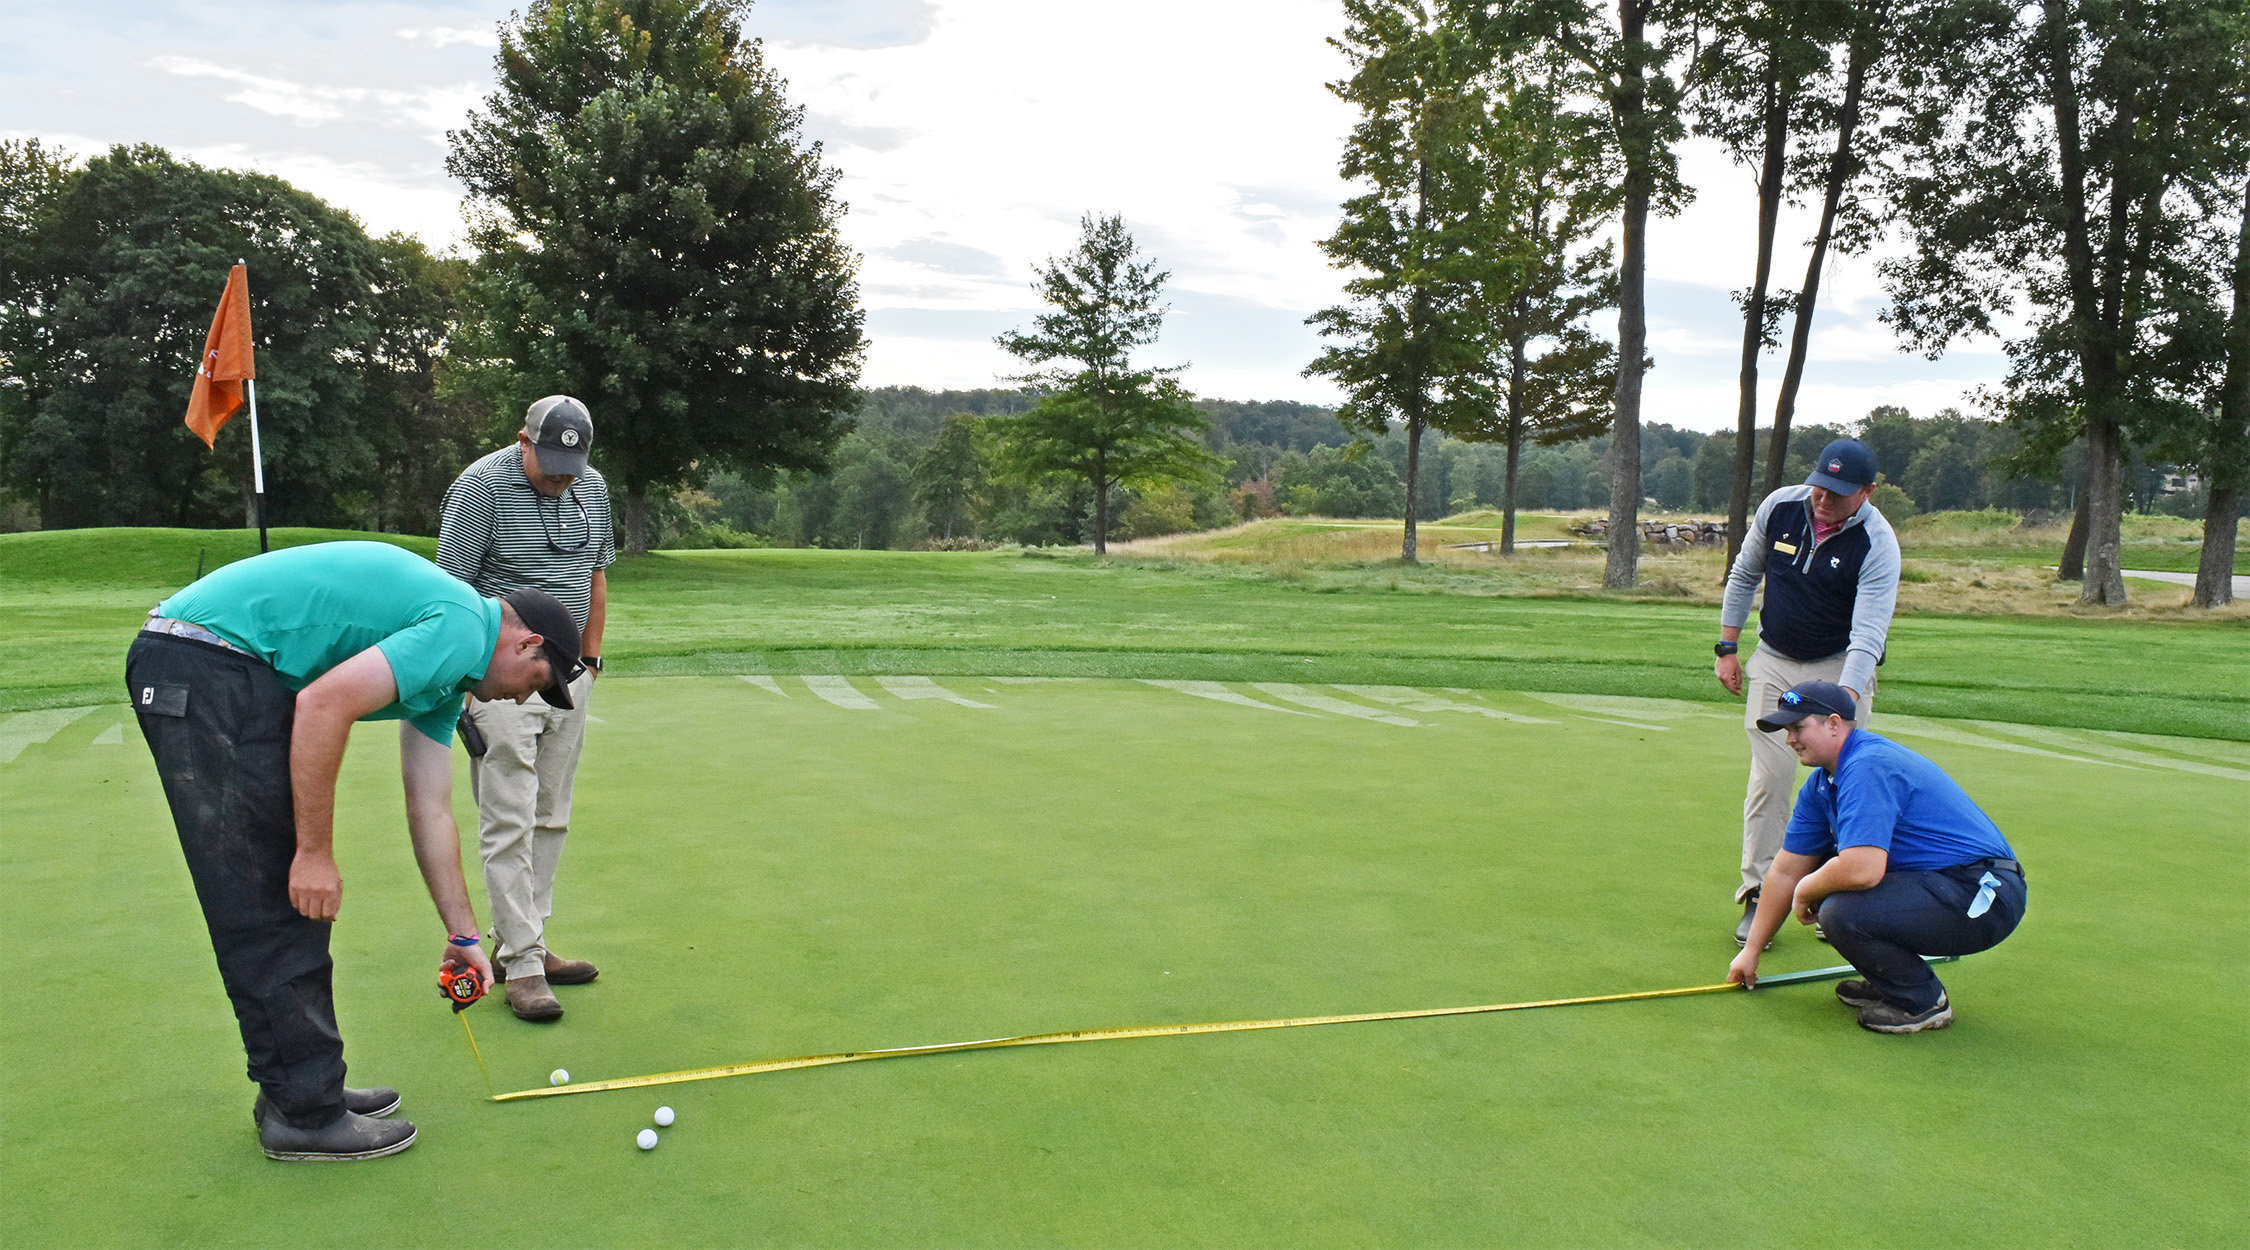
[218, 723]
[1886, 930]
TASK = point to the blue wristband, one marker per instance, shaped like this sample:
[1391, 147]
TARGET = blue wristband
[458, 940]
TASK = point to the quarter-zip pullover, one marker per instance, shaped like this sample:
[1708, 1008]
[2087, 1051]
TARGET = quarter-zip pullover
[1823, 599]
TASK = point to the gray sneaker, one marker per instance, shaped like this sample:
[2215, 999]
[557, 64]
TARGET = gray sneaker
[351, 1137]
[1749, 913]
[377, 1102]
[1884, 1018]
[1857, 994]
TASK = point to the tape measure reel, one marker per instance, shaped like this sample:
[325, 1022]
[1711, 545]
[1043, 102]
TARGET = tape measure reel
[460, 984]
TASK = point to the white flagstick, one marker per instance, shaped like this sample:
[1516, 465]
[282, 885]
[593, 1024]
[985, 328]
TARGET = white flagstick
[257, 453]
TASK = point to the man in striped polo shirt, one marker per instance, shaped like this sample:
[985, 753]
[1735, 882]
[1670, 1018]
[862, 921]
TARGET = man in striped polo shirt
[532, 514]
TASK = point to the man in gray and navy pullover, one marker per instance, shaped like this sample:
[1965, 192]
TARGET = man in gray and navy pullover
[1829, 563]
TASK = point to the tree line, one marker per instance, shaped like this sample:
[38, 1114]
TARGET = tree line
[2067, 176]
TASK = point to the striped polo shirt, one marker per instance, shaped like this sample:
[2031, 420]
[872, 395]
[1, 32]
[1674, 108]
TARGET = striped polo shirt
[498, 534]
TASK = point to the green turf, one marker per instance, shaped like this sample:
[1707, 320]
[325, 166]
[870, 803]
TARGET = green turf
[765, 874]
[72, 599]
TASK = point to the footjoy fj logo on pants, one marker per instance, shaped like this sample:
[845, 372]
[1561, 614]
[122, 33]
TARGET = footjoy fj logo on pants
[148, 695]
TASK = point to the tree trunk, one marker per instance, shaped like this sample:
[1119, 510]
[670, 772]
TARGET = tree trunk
[2102, 496]
[2214, 572]
[1101, 502]
[1508, 490]
[636, 521]
[1776, 106]
[1841, 167]
[1622, 567]
[2105, 512]
[1413, 476]
[1515, 437]
[2073, 566]
[2228, 462]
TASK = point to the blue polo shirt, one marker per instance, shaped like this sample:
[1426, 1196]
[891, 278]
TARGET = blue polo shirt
[1886, 796]
[305, 610]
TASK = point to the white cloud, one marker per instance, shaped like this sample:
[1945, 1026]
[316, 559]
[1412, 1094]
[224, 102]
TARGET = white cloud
[447, 36]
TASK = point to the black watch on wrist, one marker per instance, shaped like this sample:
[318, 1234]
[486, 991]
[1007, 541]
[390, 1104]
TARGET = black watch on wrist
[1723, 648]
[593, 662]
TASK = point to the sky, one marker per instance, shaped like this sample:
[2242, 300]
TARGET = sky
[971, 136]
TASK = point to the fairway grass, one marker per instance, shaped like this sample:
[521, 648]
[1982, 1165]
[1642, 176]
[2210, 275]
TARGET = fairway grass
[782, 866]
[69, 601]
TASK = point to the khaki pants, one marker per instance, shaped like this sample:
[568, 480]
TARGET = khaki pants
[1773, 766]
[522, 786]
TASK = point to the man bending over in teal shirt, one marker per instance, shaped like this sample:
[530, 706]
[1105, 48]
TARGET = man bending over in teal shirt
[1890, 857]
[246, 685]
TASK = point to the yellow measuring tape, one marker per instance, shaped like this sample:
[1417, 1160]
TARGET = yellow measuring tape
[1155, 1030]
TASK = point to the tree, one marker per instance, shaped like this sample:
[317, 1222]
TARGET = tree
[2060, 161]
[659, 241]
[1844, 222]
[1328, 482]
[1626, 69]
[1404, 333]
[2216, 442]
[113, 270]
[949, 475]
[1754, 77]
[1103, 420]
[1534, 275]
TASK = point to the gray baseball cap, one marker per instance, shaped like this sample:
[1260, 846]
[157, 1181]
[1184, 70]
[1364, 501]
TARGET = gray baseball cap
[563, 431]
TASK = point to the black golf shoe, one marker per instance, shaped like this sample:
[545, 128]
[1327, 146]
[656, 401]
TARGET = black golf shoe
[1884, 1018]
[1749, 913]
[377, 1102]
[1856, 993]
[352, 1137]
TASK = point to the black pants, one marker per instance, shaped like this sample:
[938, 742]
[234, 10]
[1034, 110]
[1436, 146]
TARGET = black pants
[218, 724]
[1886, 930]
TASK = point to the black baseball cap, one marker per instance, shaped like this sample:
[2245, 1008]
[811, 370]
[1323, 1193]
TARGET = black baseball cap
[545, 615]
[1809, 698]
[563, 431]
[1846, 466]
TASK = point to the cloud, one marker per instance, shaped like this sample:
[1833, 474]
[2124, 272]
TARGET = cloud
[430, 109]
[862, 24]
[838, 133]
[953, 258]
[447, 36]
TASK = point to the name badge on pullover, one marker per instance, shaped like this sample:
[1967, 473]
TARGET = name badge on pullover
[1785, 548]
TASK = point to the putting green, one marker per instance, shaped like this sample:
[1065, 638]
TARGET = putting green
[796, 864]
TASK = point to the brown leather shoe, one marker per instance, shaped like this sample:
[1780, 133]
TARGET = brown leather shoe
[570, 971]
[531, 1000]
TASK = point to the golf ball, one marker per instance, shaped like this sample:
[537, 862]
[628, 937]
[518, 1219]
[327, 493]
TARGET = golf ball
[558, 1077]
[647, 1139]
[663, 1117]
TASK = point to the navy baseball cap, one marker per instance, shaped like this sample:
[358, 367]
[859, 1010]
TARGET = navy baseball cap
[563, 431]
[1809, 698]
[1846, 466]
[545, 615]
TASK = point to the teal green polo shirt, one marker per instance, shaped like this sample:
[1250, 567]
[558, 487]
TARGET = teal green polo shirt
[305, 610]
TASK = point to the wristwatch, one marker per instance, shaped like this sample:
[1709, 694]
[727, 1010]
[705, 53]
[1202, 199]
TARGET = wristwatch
[1723, 648]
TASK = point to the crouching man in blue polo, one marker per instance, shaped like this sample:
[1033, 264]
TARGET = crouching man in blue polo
[1889, 856]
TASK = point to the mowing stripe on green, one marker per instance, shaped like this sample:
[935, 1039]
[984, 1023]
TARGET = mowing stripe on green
[1156, 1030]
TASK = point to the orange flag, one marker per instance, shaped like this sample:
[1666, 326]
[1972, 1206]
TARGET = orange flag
[226, 361]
